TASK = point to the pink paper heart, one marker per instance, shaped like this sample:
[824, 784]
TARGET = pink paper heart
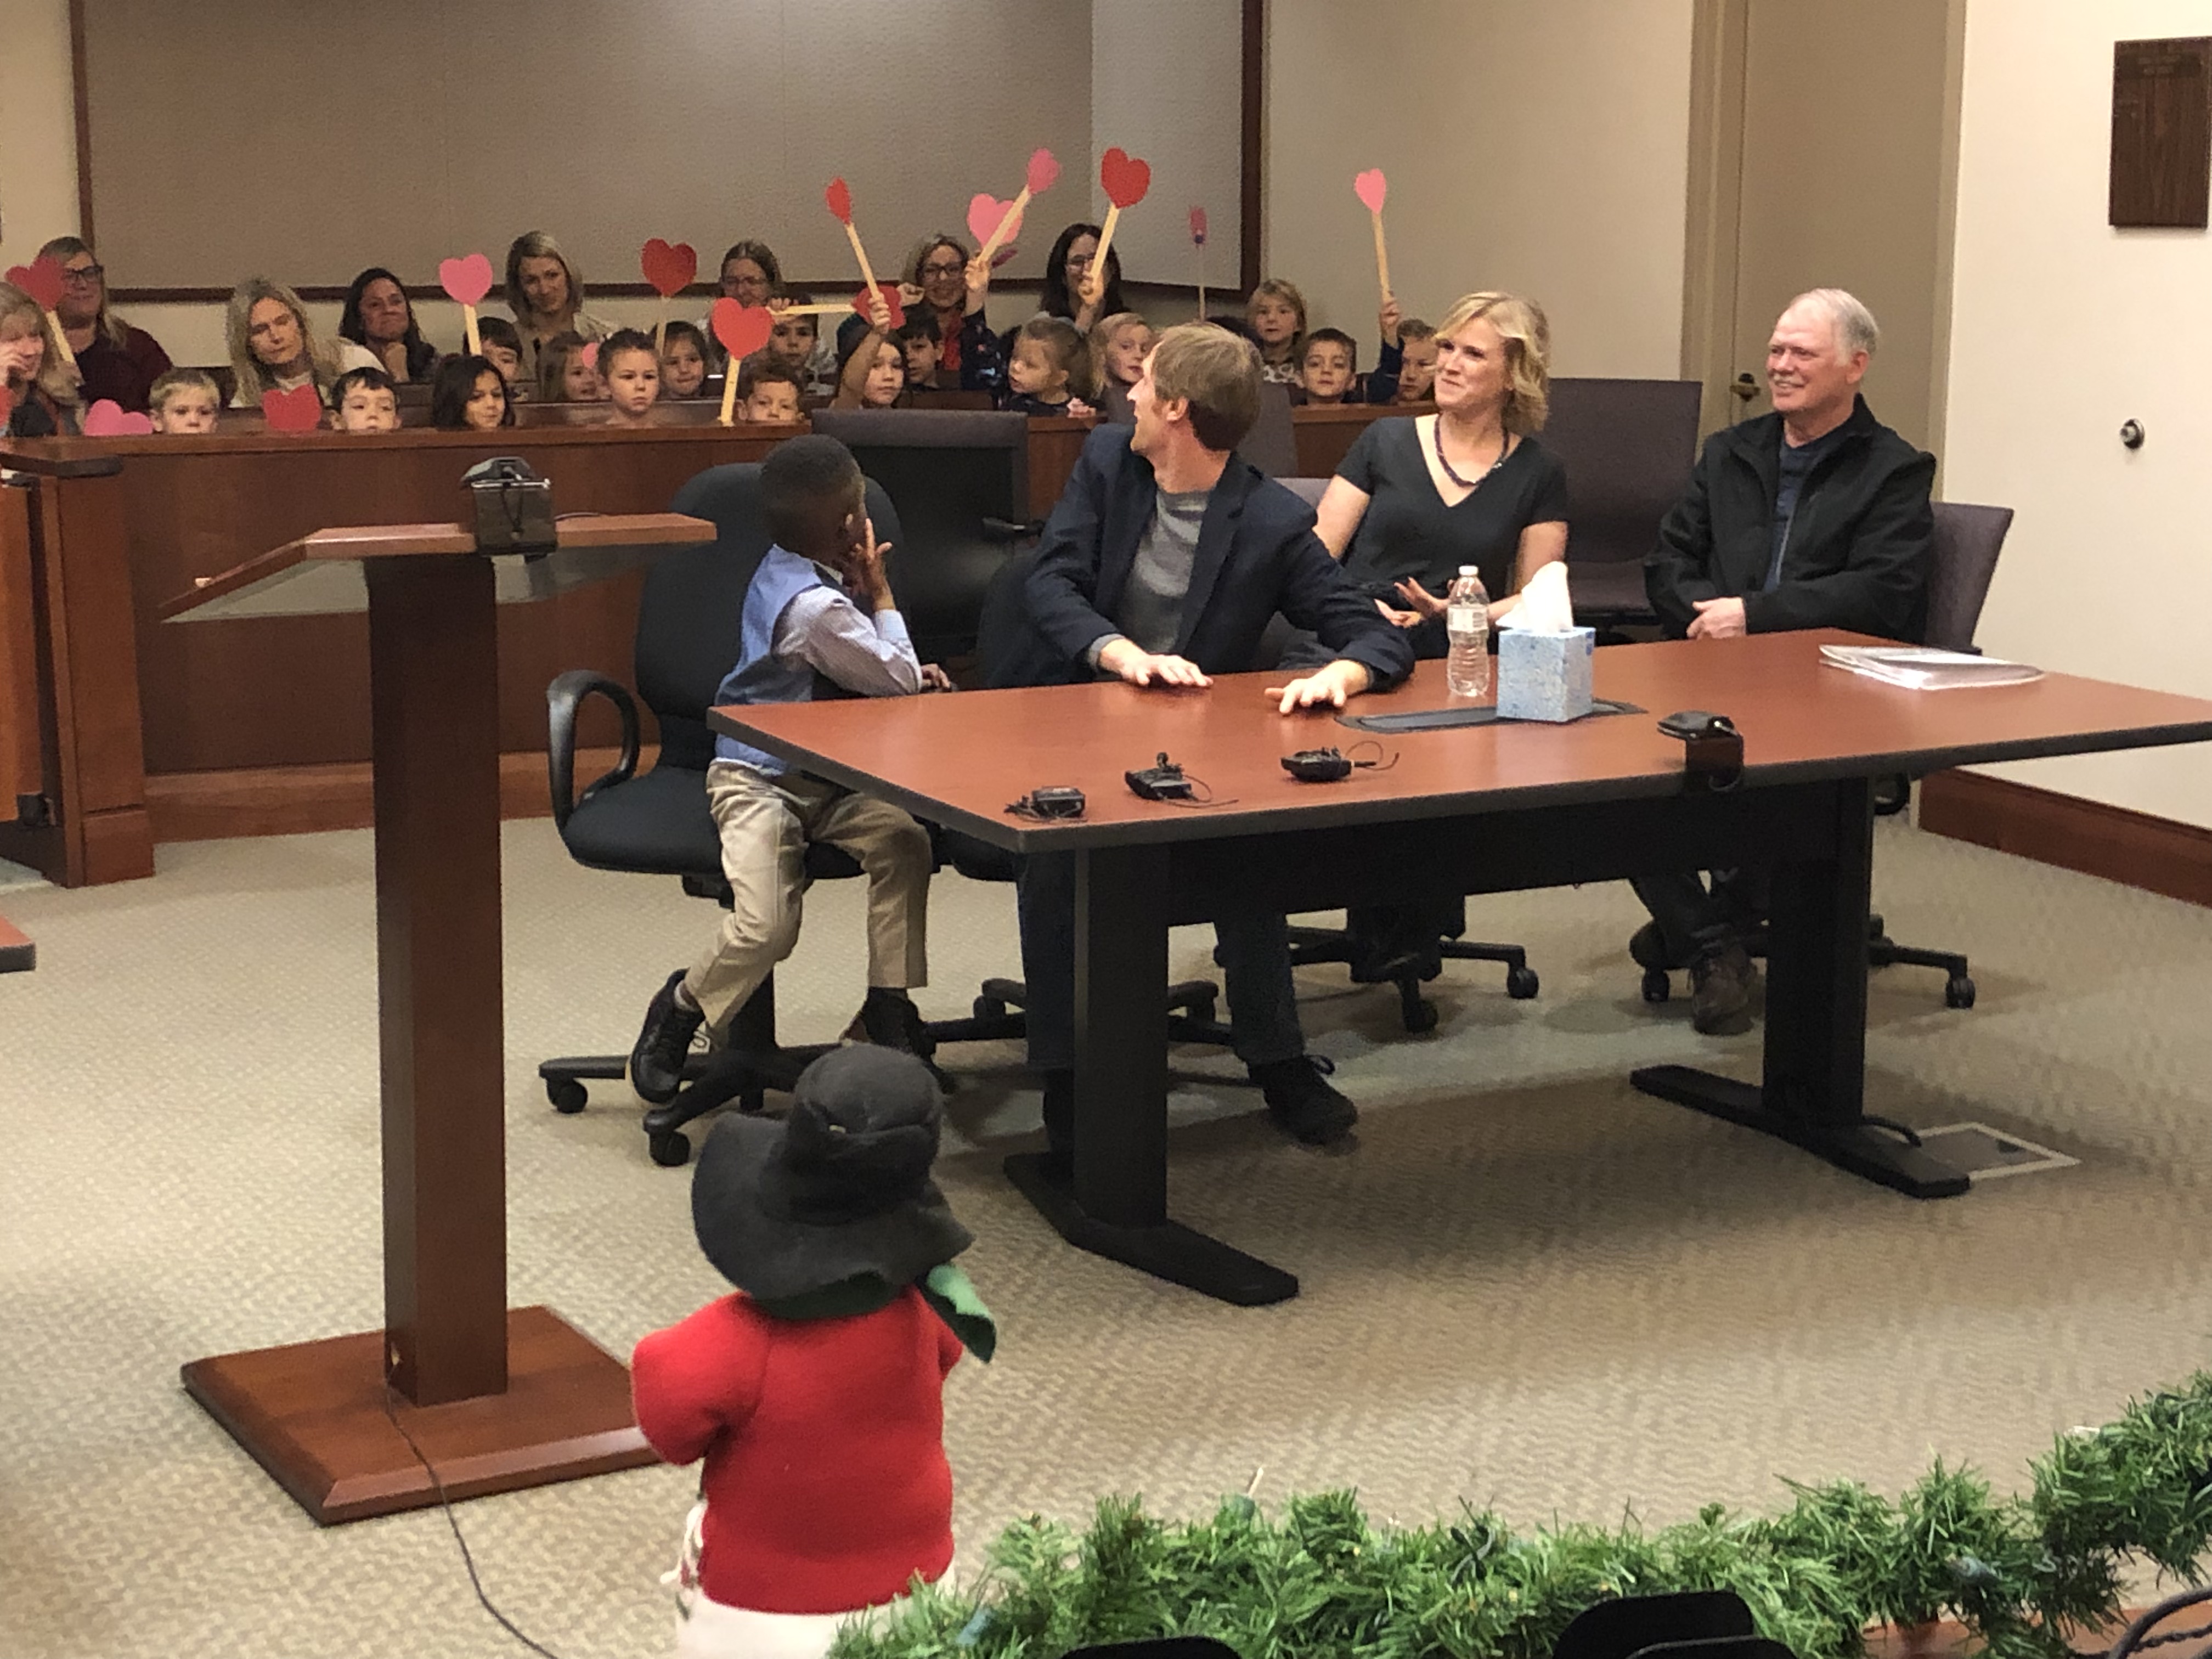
[1044, 173]
[1125, 178]
[41, 280]
[300, 410]
[670, 267]
[743, 330]
[109, 419]
[985, 212]
[590, 354]
[466, 280]
[1197, 226]
[839, 199]
[1372, 189]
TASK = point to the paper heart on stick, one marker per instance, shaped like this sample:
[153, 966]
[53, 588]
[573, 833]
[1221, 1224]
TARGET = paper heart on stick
[467, 280]
[1004, 256]
[985, 212]
[1197, 226]
[889, 291]
[742, 330]
[669, 267]
[1044, 173]
[590, 354]
[1372, 189]
[109, 419]
[300, 410]
[41, 279]
[1126, 178]
[839, 198]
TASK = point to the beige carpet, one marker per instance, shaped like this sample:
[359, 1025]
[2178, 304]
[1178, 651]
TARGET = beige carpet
[1529, 1286]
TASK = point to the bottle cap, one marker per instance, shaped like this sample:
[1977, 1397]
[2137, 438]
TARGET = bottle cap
[1470, 570]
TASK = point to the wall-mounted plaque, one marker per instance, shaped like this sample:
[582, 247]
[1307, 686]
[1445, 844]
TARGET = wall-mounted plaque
[2161, 132]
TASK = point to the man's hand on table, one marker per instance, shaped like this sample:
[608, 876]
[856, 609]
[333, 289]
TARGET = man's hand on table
[1129, 660]
[1717, 619]
[1330, 687]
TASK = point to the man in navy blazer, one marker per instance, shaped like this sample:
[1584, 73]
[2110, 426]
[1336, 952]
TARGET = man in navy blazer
[1163, 564]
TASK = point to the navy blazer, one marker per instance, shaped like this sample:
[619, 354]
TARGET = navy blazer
[1257, 555]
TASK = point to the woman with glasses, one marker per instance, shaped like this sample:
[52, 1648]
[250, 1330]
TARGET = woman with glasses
[117, 362]
[942, 280]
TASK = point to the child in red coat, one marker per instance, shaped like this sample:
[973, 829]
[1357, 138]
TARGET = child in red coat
[814, 1392]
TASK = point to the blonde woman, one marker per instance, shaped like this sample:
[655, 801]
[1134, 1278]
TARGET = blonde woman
[274, 348]
[115, 360]
[546, 296]
[1420, 495]
[41, 388]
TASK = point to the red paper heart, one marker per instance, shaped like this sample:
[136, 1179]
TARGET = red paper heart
[1372, 189]
[41, 280]
[109, 419]
[743, 330]
[300, 410]
[985, 213]
[669, 267]
[1044, 173]
[466, 280]
[1126, 178]
[889, 291]
[838, 197]
[1197, 226]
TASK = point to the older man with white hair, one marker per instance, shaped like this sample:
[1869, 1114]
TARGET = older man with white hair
[1815, 516]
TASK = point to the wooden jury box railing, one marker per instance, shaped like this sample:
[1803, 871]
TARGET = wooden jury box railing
[146, 732]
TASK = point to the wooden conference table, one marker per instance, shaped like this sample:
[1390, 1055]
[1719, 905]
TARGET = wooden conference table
[1482, 808]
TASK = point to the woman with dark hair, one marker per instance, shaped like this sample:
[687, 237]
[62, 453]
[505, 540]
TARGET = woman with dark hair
[1067, 269]
[378, 317]
[942, 280]
[116, 360]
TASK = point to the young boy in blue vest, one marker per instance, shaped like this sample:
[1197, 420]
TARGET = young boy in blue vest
[820, 621]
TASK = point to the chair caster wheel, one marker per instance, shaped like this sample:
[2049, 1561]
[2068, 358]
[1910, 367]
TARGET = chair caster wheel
[1204, 1013]
[752, 1101]
[1521, 983]
[1419, 1016]
[1959, 992]
[1655, 986]
[567, 1095]
[988, 1008]
[671, 1150]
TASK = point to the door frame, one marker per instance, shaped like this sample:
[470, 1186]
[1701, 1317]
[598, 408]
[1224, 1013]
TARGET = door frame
[1719, 34]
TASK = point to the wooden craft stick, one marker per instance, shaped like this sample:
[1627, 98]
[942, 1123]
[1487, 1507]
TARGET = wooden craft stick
[867, 272]
[814, 310]
[1382, 257]
[1012, 217]
[61, 338]
[1099, 259]
[661, 332]
[470, 331]
[728, 416]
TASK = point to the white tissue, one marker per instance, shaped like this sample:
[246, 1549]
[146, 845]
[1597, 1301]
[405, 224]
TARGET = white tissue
[1544, 607]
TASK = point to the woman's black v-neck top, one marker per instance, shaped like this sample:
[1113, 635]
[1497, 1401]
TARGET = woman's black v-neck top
[1407, 530]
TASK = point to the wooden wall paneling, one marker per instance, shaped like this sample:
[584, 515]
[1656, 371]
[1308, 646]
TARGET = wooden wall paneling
[23, 739]
[2133, 849]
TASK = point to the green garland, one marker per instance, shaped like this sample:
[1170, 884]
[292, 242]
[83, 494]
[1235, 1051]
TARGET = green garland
[1319, 1581]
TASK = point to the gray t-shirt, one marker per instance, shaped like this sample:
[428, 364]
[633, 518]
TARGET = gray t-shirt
[1151, 605]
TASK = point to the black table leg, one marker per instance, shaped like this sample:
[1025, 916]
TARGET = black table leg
[1118, 1205]
[1813, 1093]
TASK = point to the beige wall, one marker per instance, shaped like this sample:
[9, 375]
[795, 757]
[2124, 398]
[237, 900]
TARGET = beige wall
[2063, 328]
[1538, 145]
[38, 130]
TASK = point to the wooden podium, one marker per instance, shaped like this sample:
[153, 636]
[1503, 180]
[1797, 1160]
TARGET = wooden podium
[496, 1398]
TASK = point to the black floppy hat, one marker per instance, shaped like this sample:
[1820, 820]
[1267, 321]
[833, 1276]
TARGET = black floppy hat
[838, 1188]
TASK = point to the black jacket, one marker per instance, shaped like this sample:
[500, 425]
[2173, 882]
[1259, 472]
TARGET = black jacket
[1859, 546]
[1257, 555]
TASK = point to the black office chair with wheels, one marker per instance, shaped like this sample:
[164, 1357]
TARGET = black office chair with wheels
[1628, 448]
[1968, 540]
[1315, 946]
[960, 481]
[657, 823]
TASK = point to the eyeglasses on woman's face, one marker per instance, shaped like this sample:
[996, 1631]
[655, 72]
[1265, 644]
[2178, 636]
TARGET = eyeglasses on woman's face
[85, 275]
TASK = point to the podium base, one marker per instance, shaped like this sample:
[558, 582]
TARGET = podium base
[312, 1415]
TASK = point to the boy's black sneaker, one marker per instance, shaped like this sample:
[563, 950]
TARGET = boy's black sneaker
[656, 1063]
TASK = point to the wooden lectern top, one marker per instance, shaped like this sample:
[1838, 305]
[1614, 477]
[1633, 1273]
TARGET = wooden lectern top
[321, 574]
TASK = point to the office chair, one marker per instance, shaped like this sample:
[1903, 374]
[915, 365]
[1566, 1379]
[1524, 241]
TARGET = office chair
[1313, 946]
[1271, 444]
[657, 823]
[1965, 549]
[960, 480]
[1628, 448]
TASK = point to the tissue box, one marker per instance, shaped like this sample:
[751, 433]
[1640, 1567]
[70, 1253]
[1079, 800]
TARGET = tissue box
[1545, 677]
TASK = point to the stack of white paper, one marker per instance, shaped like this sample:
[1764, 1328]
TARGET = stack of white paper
[1923, 668]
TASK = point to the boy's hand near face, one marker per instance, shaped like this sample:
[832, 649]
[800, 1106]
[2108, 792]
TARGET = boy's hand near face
[864, 563]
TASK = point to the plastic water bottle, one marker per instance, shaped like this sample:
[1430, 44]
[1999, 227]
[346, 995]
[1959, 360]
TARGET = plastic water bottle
[1466, 622]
